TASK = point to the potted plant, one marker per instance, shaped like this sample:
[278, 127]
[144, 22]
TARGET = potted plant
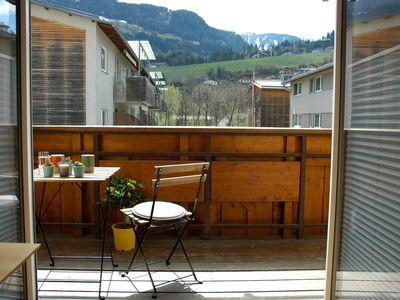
[78, 168]
[123, 192]
[48, 168]
[67, 161]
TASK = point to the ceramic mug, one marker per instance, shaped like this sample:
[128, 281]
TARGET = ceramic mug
[88, 161]
[55, 159]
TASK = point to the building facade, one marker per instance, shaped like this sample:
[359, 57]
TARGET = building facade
[270, 104]
[311, 98]
[77, 59]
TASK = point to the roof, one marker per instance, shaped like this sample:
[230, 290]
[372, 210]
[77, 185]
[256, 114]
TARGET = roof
[269, 84]
[158, 77]
[142, 49]
[109, 28]
[309, 73]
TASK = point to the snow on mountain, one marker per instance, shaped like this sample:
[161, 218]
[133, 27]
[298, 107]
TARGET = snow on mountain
[264, 41]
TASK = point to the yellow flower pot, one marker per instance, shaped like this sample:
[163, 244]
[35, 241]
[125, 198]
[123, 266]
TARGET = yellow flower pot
[124, 238]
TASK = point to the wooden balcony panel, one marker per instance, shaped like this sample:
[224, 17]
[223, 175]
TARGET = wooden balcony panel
[138, 143]
[319, 145]
[243, 143]
[255, 181]
[263, 181]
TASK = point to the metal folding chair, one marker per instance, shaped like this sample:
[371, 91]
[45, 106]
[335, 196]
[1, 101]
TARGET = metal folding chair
[157, 214]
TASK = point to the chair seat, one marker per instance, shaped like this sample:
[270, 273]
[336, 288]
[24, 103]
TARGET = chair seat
[163, 211]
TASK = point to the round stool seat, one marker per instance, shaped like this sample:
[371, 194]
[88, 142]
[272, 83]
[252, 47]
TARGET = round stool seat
[163, 211]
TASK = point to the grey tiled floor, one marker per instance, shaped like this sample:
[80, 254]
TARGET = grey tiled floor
[229, 268]
[60, 284]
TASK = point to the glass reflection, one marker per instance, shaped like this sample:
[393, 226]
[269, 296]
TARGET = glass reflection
[10, 208]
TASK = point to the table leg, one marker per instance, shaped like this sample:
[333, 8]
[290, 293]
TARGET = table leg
[105, 239]
[44, 239]
[41, 228]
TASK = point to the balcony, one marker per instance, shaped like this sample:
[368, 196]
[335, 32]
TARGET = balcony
[137, 101]
[264, 208]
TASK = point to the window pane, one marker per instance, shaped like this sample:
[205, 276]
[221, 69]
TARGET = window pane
[373, 57]
[10, 206]
[317, 120]
[318, 83]
[369, 265]
[103, 59]
[9, 167]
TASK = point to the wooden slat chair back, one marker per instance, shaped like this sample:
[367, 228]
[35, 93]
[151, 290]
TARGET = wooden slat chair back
[160, 181]
[158, 214]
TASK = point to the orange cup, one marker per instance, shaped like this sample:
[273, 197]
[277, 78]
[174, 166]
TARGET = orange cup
[55, 159]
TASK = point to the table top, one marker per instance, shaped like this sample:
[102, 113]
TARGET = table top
[99, 174]
[12, 255]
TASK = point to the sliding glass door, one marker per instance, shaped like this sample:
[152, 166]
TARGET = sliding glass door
[367, 253]
[14, 198]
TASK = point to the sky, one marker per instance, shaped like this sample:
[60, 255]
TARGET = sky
[7, 14]
[307, 19]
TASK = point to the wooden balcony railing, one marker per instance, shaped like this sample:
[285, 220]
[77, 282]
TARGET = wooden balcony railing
[263, 181]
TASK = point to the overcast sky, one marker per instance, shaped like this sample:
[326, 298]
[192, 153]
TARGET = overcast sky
[309, 19]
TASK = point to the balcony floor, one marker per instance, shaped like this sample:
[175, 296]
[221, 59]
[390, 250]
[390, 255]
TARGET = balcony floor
[229, 268]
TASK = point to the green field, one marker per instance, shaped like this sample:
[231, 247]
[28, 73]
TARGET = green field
[200, 70]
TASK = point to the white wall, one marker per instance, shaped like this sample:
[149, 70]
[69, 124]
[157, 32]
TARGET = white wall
[313, 102]
[105, 80]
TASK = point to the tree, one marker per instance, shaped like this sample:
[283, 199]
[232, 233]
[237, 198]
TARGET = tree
[235, 97]
[217, 106]
[173, 98]
[201, 96]
[183, 111]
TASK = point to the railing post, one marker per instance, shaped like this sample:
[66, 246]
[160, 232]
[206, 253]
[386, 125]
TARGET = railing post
[208, 188]
[289, 207]
[300, 216]
[96, 193]
[183, 146]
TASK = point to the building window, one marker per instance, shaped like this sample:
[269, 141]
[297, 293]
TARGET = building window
[103, 62]
[317, 120]
[296, 121]
[318, 84]
[117, 67]
[297, 89]
[104, 117]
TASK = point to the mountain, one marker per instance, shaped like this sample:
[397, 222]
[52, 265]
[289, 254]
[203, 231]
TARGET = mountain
[167, 30]
[264, 41]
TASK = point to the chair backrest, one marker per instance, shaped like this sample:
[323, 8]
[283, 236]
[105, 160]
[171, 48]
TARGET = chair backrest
[198, 174]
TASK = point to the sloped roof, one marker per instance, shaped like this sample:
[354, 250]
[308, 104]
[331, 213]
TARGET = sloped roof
[271, 84]
[159, 78]
[142, 49]
[309, 73]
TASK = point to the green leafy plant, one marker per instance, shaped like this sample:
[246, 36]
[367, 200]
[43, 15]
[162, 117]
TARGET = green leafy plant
[124, 192]
[48, 162]
[78, 164]
[66, 160]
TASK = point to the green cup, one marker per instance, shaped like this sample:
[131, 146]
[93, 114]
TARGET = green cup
[88, 161]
